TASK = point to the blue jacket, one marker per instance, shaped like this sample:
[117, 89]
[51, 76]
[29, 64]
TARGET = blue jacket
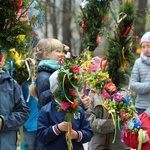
[43, 86]
[31, 123]
[51, 138]
[13, 109]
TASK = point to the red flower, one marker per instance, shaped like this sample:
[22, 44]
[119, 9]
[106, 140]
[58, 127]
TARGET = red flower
[73, 92]
[110, 86]
[75, 69]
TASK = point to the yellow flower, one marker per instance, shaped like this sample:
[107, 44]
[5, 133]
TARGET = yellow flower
[75, 76]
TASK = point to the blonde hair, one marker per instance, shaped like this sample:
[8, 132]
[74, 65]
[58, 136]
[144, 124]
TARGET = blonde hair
[44, 45]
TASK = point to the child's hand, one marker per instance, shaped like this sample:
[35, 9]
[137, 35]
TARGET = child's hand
[63, 126]
[85, 101]
[74, 134]
[145, 138]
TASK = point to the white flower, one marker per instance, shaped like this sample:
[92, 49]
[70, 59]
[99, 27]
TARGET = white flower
[68, 55]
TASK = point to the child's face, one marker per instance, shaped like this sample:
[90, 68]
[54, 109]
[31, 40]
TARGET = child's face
[146, 48]
[54, 55]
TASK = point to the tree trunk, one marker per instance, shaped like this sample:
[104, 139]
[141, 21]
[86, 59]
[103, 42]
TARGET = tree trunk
[140, 22]
[66, 22]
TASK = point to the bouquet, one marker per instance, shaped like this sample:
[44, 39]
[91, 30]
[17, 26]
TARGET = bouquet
[69, 79]
[118, 103]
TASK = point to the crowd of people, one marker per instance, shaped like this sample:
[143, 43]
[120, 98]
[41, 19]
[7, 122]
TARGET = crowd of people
[44, 128]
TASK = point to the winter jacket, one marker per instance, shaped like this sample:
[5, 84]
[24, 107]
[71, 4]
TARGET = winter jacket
[102, 126]
[13, 110]
[131, 140]
[43, 86]
[139, 83]
[52, 138]
[31, 123]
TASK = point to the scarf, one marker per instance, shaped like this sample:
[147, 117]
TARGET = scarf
[50, 63]
[145, 59]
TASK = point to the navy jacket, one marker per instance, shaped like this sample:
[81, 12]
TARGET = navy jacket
[53, 139]
[43, 86]
[13, 110]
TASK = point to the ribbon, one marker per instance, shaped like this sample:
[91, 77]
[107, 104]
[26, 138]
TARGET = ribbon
[141, 133]
[35, 3]
[123, 16]
[126, 32]
[27, 65]
[11, 67]
[124, 59]
[128, 1]
[20, 2]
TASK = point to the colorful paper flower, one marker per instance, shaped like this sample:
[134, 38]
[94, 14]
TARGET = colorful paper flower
[105, 94]
[73, 92]
[74, 104]
[65, 105]
[117, 97]
[110, 86]
[75, 69]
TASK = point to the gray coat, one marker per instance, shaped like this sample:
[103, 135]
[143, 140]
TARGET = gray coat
[140, 83]
[13, 110]
[102, 127]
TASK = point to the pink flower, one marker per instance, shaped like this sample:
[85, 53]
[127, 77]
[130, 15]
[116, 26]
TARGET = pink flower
[117, 97]
[75, 69]
[105, 93]
[73, 92]
[123, 115]
[110, 86]
[65, 106]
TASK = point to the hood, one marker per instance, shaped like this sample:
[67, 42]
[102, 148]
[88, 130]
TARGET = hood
[4, 75]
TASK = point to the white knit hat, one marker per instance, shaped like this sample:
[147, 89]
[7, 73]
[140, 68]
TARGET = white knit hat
[53, 81]
[145, 37]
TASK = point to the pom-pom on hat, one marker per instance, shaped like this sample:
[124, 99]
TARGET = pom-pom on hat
[145, 37]
[53, 81]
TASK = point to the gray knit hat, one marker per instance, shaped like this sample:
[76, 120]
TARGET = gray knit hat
[145, 37]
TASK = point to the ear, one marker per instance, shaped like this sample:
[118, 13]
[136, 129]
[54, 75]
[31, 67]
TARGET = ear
[46, 55]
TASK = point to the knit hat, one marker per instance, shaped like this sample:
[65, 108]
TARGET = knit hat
[145, 37]
[53, 81]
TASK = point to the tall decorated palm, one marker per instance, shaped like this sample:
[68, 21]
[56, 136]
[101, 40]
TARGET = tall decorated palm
[18, 26]
[93, 18]
[119, 51]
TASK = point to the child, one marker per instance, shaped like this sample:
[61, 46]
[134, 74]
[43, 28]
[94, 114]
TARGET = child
[140, 76]
[30, 126]
[47, 52]
[13, 110]
[100, 119]
[52, 128]
[132, 140]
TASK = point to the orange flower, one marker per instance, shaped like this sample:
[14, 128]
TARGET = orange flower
[75, 104]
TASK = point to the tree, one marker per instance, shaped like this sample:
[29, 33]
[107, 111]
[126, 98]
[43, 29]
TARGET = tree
[140, 22]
